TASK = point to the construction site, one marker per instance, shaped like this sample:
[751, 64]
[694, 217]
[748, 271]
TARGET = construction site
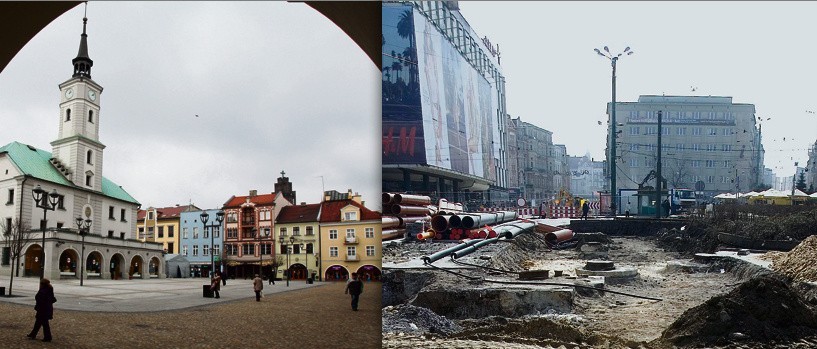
[738, 277]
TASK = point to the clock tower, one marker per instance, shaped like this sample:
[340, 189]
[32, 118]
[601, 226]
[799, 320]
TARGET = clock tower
[77, 152]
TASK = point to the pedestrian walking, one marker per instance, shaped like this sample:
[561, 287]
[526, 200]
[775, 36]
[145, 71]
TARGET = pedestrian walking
[666, 207]
[355, 288]
[215, 285]
[45, 310]
[257, 286]
[271, 279]
[224, 277]
[585, 209]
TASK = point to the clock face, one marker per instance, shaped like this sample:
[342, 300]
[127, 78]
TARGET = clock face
[92, 95]
[69, 93]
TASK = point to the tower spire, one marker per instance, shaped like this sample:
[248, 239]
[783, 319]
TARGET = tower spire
[83, 63]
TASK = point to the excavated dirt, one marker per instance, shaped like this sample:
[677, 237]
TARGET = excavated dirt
[599, 320]
[799, 263]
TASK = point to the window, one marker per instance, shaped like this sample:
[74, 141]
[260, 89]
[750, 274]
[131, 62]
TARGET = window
[309, 231]
[195, 250]
[283, 232]
[11, 197]
[370, 251]
[665, 131]
[264, 215]
[232, 233]
[184, 250]
[150, 232]
[726, 147]
[150, 215]
[633, 162]
[369, 233]
[216, 250]
[696, 163]
[350, 216]
[68, 114]
[296, 231]
[205, 251]
[89, 156]
[122, 215]
[679, 147]
[713, 131]
[695, 147]
[230, 250]
[8, 225]
[216, 232]
[350, 251]
[110, 233]
[710, 163]
[184, 233]
[195, 233]
[232, 217]
[696, 131]
[88, 180]
[635, 130]
[710, 179]
[170, 231]
[296, 249]
[634, 147]
[309, 248]
[206, 233]
[110, 213]
[333, 234]
[249, 249]
[350, 233]
[161, 231]
[283, 249]
[266, 249]
[682, 131]
[726, 163]
[333, 251]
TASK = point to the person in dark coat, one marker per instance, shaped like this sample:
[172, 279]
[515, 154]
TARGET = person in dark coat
[271, 279]
[585, 209]
[224, 277]
[45, 310]
[355, 288]
[666, 207]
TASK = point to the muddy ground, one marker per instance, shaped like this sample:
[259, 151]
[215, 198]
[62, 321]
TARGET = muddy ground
[592, 319]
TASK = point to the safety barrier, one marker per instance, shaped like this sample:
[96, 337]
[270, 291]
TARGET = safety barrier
[521, 211]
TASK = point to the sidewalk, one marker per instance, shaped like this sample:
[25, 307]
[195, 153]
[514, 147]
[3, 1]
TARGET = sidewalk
[138, 295]
[174, 315]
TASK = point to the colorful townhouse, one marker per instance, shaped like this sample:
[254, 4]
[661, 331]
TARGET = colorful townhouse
[299, 227]
[350, 238]
[201, 245]
[249, 239]
[161, 225]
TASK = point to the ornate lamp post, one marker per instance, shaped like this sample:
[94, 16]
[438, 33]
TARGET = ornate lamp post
[613, 59]
[47, 203]
[83, 226]
[288, 246]
[261, 253]
[219, 218]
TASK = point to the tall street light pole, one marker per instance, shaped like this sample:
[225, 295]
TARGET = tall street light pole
[613, 59]
[47, 203]
[83, 226]
[261, 252]
[219, 218]
[288, 246]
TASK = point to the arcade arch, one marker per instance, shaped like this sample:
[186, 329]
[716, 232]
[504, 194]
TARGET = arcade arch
[117, 266]
[136, 266]
[368, 273]
[33, 264]
[298, 272]
[336, 273]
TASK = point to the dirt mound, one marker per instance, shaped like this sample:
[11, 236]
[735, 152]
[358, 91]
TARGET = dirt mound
[410, 319]
[760, 310]
[536, 329]
[799, 263]
[694, 238]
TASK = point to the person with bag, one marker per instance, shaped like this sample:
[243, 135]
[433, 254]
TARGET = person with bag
[215, 285]
[45, 310]
[257, 286]
[355, 288]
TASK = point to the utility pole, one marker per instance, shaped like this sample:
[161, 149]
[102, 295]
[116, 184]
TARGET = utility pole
[658, 206]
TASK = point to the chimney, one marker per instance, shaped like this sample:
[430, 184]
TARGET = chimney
[253, 192]
[303, 203]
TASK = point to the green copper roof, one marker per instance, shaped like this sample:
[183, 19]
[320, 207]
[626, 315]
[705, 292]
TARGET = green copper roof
[35, 163]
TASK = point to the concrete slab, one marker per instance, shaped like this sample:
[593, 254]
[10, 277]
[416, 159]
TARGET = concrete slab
[138, 295]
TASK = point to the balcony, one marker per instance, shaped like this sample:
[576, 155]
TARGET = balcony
[352, 258]
[350, 241]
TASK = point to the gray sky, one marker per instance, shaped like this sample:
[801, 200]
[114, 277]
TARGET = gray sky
[760, 53]
[277, 86]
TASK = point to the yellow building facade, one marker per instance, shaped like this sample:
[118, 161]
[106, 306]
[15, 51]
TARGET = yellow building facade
[161, 225]
[350, 237]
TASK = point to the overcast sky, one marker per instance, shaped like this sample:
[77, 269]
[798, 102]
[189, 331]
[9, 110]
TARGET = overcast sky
[277, 86]
[760, 53]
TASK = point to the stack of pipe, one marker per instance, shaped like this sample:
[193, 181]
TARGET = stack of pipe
[401, 209]
[469, 225]
[503, 231]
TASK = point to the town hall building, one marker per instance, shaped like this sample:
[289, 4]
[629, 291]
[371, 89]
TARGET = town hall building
[71, 178]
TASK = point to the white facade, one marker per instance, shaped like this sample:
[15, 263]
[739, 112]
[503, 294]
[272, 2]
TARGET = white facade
[705, 140]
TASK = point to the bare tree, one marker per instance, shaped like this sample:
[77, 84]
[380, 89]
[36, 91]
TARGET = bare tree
[277, 262]
[679, 173]
[15, 237]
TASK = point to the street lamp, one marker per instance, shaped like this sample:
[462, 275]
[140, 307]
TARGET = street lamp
[261, 253]
[219, 218]
[613, 59]
[47, 203]
[291, 242]
[83, 226]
